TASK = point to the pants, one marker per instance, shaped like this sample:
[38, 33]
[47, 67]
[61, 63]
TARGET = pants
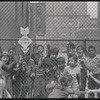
[93, 85]
[48, 81]
[19, 89]
[9, 85]
[40, 87]
[83, 82]
[29, 87]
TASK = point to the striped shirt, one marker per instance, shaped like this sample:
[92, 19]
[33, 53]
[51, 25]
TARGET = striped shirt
[92, 64]
[73, 72]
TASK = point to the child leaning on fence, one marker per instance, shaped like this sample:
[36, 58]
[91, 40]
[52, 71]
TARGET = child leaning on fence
[97, 81]
[62, 89]
[74, 70]
[5, 76]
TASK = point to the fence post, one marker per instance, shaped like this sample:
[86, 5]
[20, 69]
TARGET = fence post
[85, 48]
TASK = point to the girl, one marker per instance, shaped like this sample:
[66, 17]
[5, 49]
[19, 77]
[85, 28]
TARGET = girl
[74, 70]
[6, 70]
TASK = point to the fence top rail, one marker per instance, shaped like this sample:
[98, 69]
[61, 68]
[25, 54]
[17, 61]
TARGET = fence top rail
[16, 39]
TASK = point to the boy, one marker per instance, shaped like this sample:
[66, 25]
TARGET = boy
[62, 89]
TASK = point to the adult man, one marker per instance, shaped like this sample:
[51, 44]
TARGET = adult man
[93, 65]
[81, 58]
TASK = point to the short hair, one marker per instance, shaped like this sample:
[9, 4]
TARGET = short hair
[80, 46]
[65, 77]
[72, 45]
[40, 46]
[93, 47]
[61, 59]
[74, 56]
[54, 51]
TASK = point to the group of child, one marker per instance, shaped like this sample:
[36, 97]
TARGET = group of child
[69, 83]
[51, 77]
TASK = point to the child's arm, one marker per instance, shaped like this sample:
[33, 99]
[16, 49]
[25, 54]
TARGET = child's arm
[79, 78]
[97, 81]
[77, 92]
[69, 90]
[93, 91]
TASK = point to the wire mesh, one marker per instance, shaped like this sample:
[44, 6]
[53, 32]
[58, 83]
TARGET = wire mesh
[53, 23]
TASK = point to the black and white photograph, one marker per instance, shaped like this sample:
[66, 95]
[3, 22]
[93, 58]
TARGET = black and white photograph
[49, 49]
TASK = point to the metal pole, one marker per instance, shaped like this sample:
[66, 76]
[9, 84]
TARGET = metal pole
[85, 49]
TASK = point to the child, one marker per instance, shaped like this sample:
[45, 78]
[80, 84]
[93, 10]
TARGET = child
[61, 89]
[97, 81]
[74, 70]
[59, 72]
[30, 69]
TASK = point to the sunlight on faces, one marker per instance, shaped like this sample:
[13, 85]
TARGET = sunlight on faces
[80, 52]
[72, 62]
[5, 58]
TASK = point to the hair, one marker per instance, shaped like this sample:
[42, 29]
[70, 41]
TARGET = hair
[91, 47]
[74, 56]
[40, 46]
[61, 59]
[65, 78]
[72, 46]
[54, 51]
[80, 46]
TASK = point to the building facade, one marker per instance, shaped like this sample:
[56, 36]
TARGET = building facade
[47, 20]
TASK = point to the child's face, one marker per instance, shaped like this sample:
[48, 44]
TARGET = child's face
[80, 52]
[5, 59]
[11, 52]
[72, 62]
[24, 64]
[40, 49]
[61, 65]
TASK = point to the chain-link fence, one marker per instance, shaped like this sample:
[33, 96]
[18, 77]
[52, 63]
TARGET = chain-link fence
[51, 23]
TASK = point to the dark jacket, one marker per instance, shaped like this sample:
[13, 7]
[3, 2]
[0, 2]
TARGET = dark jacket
[49, 63]
[36, 57]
